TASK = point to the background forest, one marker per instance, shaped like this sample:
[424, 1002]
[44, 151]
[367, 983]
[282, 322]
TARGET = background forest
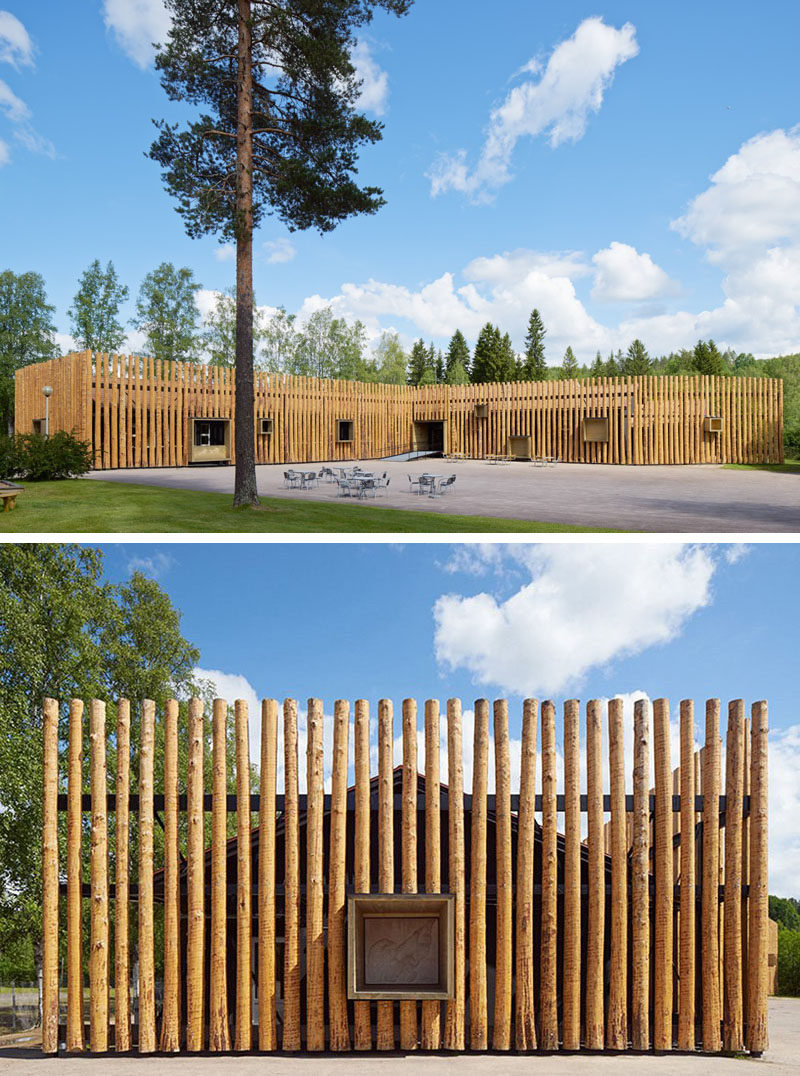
[168, 320]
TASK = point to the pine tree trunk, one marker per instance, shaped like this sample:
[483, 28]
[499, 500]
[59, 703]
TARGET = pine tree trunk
[245, 489]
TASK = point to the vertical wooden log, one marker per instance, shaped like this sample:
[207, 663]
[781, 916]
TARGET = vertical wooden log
[362, 1030]
[74, 1039]
[478, 1014]
[218, 1032]
[195, 883]
[244, 881]
[408, 1009]
[291, 1040]
[686, 967]
[571, 1005]
[758, 933]
[454, 1011]
[337, 978]
[267, 994]
[597, 881]
[98, 946]
[147, 989]
[503, 983]
[745, 868]
[617, 1022]
[432, 1010]
[122, 971]
[710, 898]
[732, 1025]
[385, 1018]
[525, 1014]
[662, 956]
[315, 937]
[640, 880]
[548, 996]
[170, 1015]
[50, 876]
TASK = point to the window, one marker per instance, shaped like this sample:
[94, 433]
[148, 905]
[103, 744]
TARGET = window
[595, 430]
[209, 432]
[38, 425]
[344, 430]
[266, 427]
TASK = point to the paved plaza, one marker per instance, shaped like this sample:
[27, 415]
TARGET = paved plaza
[781, 1058]
[707, 497]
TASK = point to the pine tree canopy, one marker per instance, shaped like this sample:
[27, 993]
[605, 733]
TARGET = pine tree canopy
[306, 128]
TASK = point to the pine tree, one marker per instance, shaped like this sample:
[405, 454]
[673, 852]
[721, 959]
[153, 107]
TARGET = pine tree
[569, 367]
[508, 360]
[457, 352]
[534, 367]
[612, 366]
[637, 361]
[95, 309]
[439, 368]
[278, 131]
[166, 312]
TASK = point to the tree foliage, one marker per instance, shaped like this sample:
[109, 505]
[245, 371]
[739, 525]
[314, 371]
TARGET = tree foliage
[637, 361]
[166, 312]
[27, 332]
[66, 632]
[569, 364]
[493, 359]
[391, 360]
[534, 367]
[94, 313]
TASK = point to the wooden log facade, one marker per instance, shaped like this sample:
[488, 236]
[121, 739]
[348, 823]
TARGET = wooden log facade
[238, 914]
[139, 412]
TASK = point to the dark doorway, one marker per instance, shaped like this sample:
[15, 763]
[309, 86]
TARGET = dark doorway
[429, 436]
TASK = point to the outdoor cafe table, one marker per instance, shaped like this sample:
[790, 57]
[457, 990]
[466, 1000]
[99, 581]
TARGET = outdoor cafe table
[430, 480]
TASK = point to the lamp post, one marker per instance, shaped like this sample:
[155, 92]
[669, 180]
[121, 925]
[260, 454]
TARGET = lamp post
[48, 392]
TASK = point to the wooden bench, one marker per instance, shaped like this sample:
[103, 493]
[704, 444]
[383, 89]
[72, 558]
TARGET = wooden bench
[9, 493]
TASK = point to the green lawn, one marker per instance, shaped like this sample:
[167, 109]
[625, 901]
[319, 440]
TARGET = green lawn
[789, 467]
[89, 506]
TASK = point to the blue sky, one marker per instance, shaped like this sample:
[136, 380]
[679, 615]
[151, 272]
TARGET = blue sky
[550, 620]
[572, 147]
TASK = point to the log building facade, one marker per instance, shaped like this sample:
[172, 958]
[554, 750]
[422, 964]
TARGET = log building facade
[139, 412]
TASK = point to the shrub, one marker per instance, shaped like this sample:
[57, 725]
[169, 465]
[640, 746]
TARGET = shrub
[38, 458]
[789, 962]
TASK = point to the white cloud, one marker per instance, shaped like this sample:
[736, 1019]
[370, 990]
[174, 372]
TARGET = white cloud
[784, 812]
[583, 607]
[225, 253]
[558, 103]
[233, 686]
[155, 566]
[14, 107]
[16, 47]
[137, 24]
[753, 201]
[374, 92]
[279, 251]
[5, 154]
[624, 275]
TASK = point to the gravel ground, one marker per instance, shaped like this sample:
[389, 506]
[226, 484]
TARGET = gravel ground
[704, 498]
[782, 1057]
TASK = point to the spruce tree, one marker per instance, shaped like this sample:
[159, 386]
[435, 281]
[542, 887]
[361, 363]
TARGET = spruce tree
[488, 363]
[598, 366]
[534, 367]
[637, 361]
[707, 358]
[569, 367]
[95, 309]
[612, 366]
[457, 352]
[278, 132]
[417, 362]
